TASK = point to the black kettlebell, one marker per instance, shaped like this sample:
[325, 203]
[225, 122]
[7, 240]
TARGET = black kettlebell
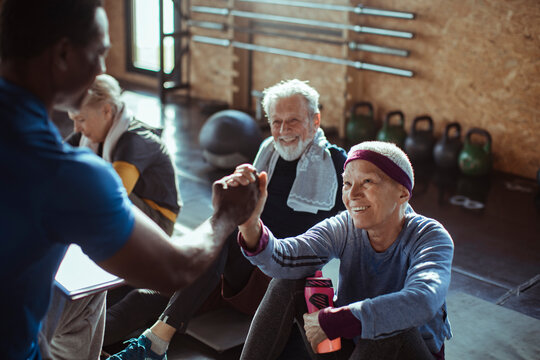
[393, 133]
[360, 126]
[419, 143]
[475, 158]
[446, 150]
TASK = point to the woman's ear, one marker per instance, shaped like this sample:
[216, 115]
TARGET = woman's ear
[107, 111]
[404, 194]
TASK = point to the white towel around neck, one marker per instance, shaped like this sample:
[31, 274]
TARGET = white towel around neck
[315, 185]
[119, 126]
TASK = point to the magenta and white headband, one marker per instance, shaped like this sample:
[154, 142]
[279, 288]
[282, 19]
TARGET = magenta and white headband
[389, 167]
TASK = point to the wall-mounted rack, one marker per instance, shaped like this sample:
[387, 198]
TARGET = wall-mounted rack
[301, 55]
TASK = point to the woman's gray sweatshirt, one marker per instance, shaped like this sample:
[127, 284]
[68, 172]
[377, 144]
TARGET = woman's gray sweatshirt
[400, 288]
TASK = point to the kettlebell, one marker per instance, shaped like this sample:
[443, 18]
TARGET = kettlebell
[419, 143]
[474, 158]
[446, 150]
[393, 133]
[360, 127]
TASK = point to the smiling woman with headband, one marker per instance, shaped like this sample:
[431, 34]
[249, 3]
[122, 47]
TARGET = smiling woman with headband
[394, 272]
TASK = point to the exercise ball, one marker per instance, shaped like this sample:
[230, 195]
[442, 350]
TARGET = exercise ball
[230, 138]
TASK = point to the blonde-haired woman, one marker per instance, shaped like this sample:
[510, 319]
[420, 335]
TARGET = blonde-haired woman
[136, 152]
[133, 148]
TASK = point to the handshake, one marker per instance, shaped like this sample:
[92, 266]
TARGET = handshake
[233, 200]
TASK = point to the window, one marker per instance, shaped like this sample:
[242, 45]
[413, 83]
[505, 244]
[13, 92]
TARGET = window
[143, 36]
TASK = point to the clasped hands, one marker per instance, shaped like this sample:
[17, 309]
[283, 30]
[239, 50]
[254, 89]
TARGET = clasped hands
[238, 196]
[241, 196]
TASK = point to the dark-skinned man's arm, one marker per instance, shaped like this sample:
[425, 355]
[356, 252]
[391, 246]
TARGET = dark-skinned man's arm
[149, 259]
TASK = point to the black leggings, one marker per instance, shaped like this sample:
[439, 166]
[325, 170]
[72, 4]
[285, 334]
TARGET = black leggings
[140, 308]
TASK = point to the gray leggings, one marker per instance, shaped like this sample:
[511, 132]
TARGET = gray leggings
[284, 303]
[73, 329]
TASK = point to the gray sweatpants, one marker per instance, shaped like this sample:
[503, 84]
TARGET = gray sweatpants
[73, 329]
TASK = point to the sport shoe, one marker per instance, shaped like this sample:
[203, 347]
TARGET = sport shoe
[138, 349]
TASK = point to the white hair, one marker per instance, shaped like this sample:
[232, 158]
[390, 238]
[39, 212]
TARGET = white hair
[105, 89]
[288, 88]
[390, 151]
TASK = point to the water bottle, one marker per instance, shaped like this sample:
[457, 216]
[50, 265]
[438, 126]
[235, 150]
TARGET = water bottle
[319, 295]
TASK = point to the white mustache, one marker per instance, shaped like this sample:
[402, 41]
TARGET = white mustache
[286, 138]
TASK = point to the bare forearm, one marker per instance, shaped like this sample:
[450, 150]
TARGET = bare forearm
[200, 247]
[251, 232]
[150, 259]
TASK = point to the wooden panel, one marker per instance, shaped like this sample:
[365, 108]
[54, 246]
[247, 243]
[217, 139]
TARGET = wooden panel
[328, 79]
[211, 72]
[211, 65]
[476, 62]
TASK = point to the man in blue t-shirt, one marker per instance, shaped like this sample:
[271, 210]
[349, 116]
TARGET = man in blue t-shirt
[53, 195]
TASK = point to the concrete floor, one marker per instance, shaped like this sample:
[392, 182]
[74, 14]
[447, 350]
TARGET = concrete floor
[497, 256]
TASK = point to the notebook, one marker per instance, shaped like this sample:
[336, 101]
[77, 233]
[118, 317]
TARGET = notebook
[78, 276]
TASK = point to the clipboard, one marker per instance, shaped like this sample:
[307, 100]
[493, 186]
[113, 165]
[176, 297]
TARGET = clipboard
[78, 276]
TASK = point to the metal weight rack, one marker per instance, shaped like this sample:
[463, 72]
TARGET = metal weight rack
[281, 27]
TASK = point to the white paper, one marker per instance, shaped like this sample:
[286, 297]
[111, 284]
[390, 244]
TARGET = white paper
[79, 276]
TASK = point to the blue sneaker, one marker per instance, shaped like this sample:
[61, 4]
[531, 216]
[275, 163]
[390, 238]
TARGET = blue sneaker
[138, 349]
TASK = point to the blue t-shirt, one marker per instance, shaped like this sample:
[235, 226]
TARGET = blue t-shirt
[51, 195]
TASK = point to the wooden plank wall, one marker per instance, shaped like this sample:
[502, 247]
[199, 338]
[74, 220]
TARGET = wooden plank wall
[212, 66]
[268, 69]
[475, 61]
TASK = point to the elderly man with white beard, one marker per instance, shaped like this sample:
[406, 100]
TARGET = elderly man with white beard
[304, 188]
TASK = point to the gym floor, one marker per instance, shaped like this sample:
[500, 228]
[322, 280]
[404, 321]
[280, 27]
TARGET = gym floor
[497, 248]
